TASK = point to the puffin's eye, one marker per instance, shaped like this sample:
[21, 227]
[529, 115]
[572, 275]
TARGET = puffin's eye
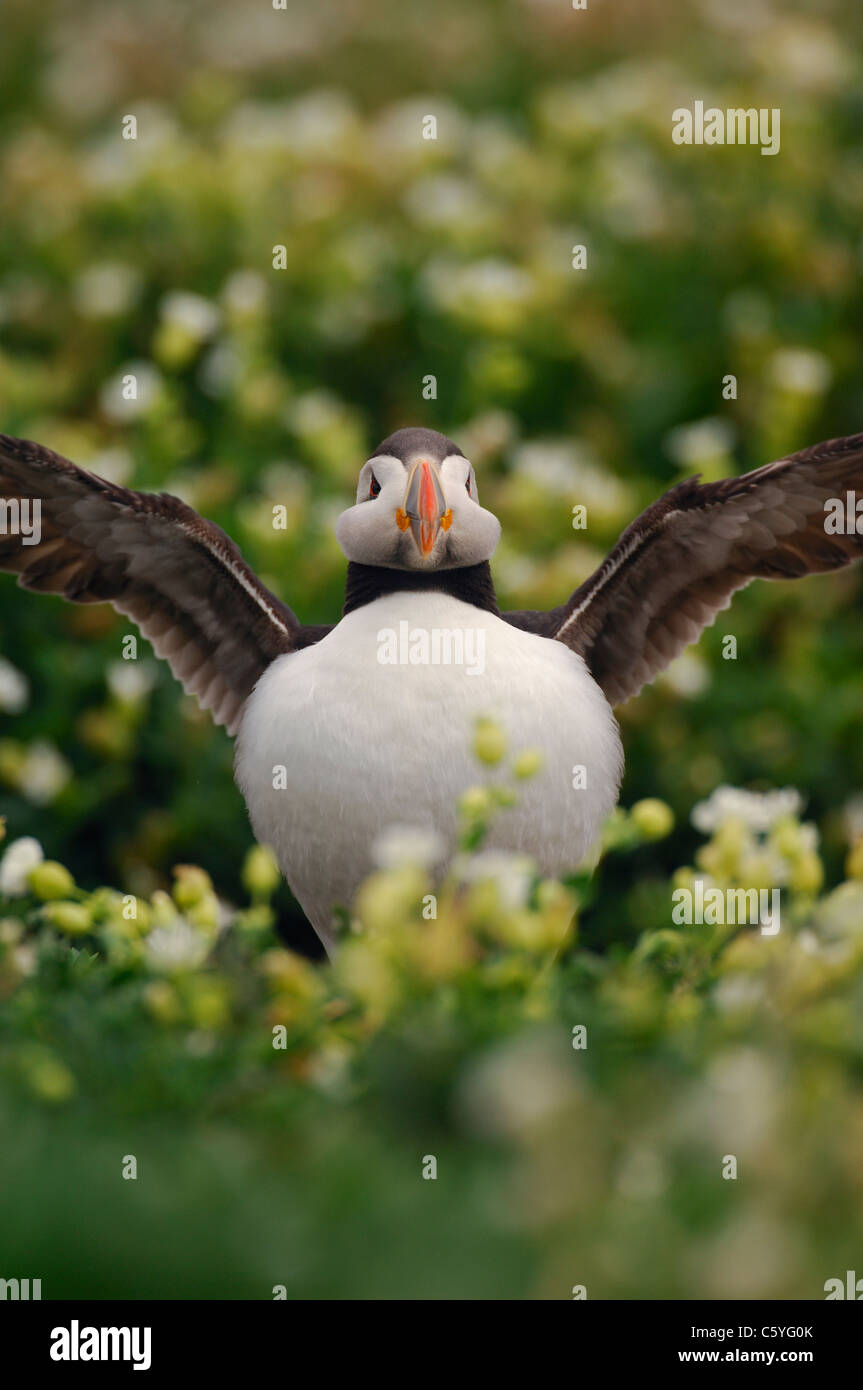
[374, 487]
[467, 485]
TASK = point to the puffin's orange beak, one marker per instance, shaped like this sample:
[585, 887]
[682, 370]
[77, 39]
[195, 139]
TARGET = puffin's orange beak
[425, 510]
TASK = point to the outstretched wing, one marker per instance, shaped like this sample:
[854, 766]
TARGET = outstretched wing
[681, 561]
[179, 577]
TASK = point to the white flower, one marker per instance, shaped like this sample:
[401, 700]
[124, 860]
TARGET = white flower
[512, 873]
[832, 951]
[104, 290]
[245, 292]
[220, 369]
[178, 946]
[852, 817]
[14, 688]
[398, 130]
[115, 398]
[315, 411]
[808, 942]
[108, 164]
[801, 371]
[688, 675]
[739, 16]
[25, 959]
[634, 204]
[407, 845]
[44, 773]
[514, 571]
[739, 1093]
[131, 680]
[518, 1086]
[700, 442]
[318, 123]
[443, 200]
[489, 281]
[764, 864]
[329, 1069]
[808, 837]
[113, 464]
[747, 1078]
[806, 54]
[191, 312]
[564, 468]
[642, 1175]
[21, 856]
[488, 433]
[840, 914]
[759, 811]
[738, 993]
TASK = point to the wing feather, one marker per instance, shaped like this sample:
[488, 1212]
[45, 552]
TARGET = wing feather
[177, 576]
[681, 562]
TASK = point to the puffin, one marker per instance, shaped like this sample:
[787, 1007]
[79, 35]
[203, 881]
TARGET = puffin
[344, 731]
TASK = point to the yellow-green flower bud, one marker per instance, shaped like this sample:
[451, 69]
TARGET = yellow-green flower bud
[652, 818]
[13, 757]
[48, 1077]
[209, 1004]
[163, 1002]
[489, 742]
[191, 885]
[785, 837]
[164, 913]
[854, 862]
[72, 918]
[388, 900]
[475, 803]
[557, 909]
[482, 902]
[807, 873]
[684, 877]
[255, 919]
[51, 880]
[143, 916]
[290, 973]
[205, 913]
[174, 345]
[528, 763]
[261, 872]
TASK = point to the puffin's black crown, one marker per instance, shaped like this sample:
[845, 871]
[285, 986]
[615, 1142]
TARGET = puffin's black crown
[406, 444]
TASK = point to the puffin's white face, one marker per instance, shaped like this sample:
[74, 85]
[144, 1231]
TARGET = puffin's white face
[417, 515]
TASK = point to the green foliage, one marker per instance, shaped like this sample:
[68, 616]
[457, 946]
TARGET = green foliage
[262, 388]
[580, 1106]
[407, 257]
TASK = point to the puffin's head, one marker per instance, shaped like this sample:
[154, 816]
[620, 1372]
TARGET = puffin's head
[417, 507]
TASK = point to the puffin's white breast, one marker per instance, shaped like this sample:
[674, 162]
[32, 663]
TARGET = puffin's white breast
[372, 735]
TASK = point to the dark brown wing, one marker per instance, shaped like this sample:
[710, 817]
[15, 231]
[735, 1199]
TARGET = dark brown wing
[681, 561]
[179, 577]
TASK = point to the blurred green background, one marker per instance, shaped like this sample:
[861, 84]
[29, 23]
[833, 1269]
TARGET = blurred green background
[404, 258]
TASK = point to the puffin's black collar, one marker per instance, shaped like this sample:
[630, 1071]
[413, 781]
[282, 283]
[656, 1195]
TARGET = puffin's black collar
[472, 584]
